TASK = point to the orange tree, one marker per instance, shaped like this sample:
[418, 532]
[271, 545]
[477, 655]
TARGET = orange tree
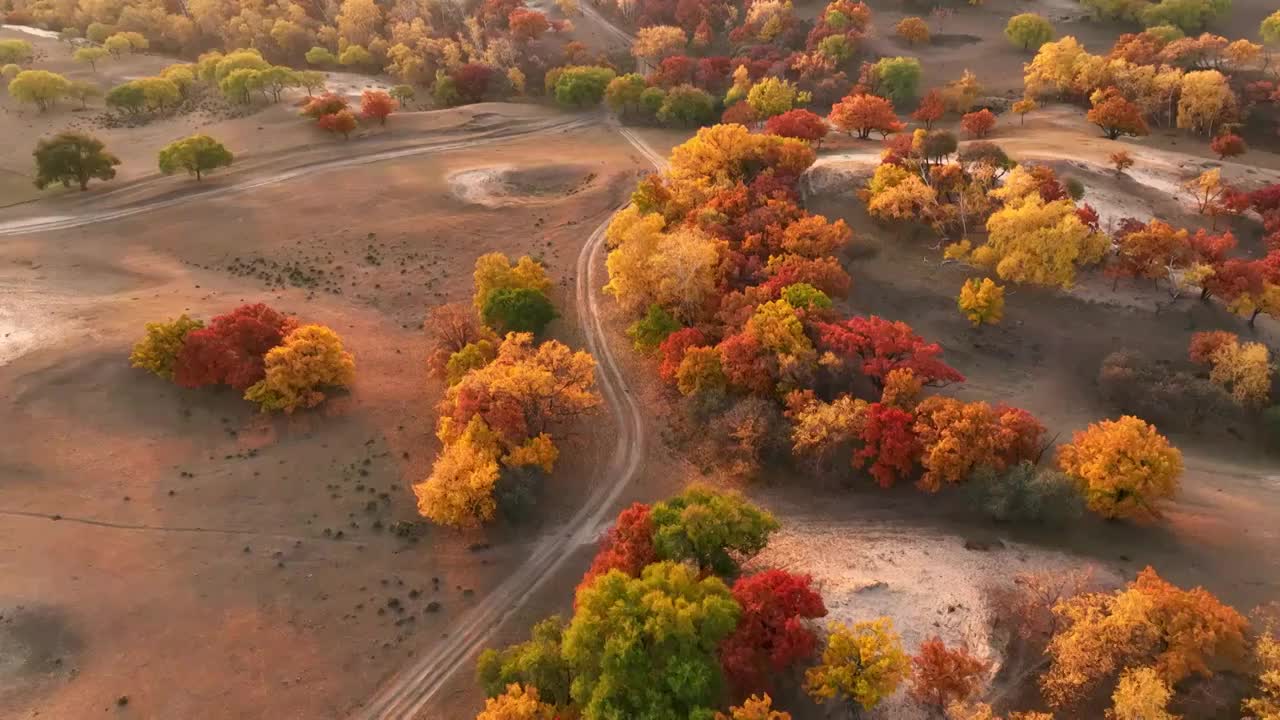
[1123, 467]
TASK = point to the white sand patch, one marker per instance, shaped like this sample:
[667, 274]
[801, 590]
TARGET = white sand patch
[49, 34]
[481, 186]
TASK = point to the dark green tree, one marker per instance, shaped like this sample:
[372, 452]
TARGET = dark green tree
[518, 310]
[72, 157]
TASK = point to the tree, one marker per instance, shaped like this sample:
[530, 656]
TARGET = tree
[956, 438]
[1266, 651]
[125, 41]
[1141, 695]
[308, 361]
[232, 348]
[1028, 31]
[913, 30]
[355, 56]
[1024, 106]
[755, 707]
[239, 84]
[981, 301]
[658, 632]
[459, 492]
[376, 105]
[1148, 623]
[320, 56]
[40, 87]
[774, 96]
[158, 350]
[941, 676]
[878, 346]
[1122, 161]
[536, 664]
[655, 42]
[651, 331]
[72, 157]
[518, 310]
[771, 636]
[517, 703]
[343, 122]
[864, 113]
[14, 51]
[628, 546]
[800, 124]
[862, 664]
[403, 94]
[582, 85]
[686, 106]
[898, 77]
[710, 528]
[1228, 145]
[1116, 115]
[526, 24]
[1123, 467]
[90, 55]
[472, 81]
[978, 124]
[1269, 29]
[197, 155]
[494, 271]
[82, 91]
[889, 446]
[449, 329]
[1242, 369]
[930, 110]
[1206, 101]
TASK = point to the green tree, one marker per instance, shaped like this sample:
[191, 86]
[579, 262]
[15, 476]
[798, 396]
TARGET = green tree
[899, 77]
[309, 80]
[518, 310]
[537, 662]
[15, 51]
[275, 80]
[356, 56]
[82, 91]
[774, 96]
[582, 85]
[238, 60]
[128, 97]
[98, 32]
[711, 528]
[687, 106]
[403, 94]
[1186, 15]
[73, 157]
[1028, 31]
[40, 87]
[646, 647]
[197, 155]
[320, 56]
[648, 332]
[239, 84]
[10, 71]
[117, 44]
[158, 92]
[862, 665]
[1269, 30]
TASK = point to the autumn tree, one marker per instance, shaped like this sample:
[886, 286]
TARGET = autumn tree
[1116, 115]
[232, 348]
[1241, 369]
[15, 52]
[1228, 145]
[1266, 651]
[1028, 31]
[1149, 623]
[861, 664]
[90, 56]
[627, 546]
[771, 636]
[774, 96]
[449, 328]
[656, 42]
[876, 347]
[519, 309]
[1141, 694]
[981, 301]
[711, 528]
[196, 154]
[649, 265]
[1206, 101]
[310, 360]
[913, 29]
[1123, 467]
[38, 87]
[494, 271]
[1121, 160]
[459, 492]
[897, 77]
[1150, 251]
[376, 105]
[1022, 107]
[658, 632]
[536, 664]
[956, 438]
[941, 675]
[158, 350]
[978, 124]
[930, 110]
[342, 122]
[72, 157]
[889, 447]
[800, 124]
[756, 707]
[651, 331]
[517, 703]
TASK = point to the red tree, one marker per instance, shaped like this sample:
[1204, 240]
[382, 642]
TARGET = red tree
[800, 124]
[326, 104]
[376, 105]
[941, 676]
[527, 24]
[771, 635]
[931, 109]
[472, 81]
[889, 444]
[673, 71]
[230, 349]
[628, 546]
[1117, 116]
[1210, 248]
[978, 124]
[739, 113]
[864, 113]
[673, 349]
[747, 365]
[881, 346]
[1228, 145]
[340, 122]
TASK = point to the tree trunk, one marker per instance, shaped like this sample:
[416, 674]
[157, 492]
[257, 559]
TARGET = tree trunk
[198, 175]
[1254, 316]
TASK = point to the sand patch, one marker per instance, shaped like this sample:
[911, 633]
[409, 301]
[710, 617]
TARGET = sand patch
[501, 185]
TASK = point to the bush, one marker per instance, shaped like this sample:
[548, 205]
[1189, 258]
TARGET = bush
[309, 360]
[1075, 188]
[157, 351]
[687, 106]
[518, 310]
[1025, 494]
[582, 85]
[231, 350]
[648, 333]
[1133, 384]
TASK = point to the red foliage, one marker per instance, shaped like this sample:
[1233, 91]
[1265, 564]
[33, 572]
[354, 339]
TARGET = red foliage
[472, 81]
[1050, 188]
[502, 412]
[628, 546]
[798, 123]
[1266, 200]
[326, 104]
[376, 105]
[889, 444]
[493, 14]
[1235, 277]
[230, 350]
[824, 273]
[1212, 249]
[342, 121]
[930, 110]
[771, 636]
[882, 346]
[1019, 436]
[713, 74]
[739, 113]
[747, 365]
[1228, 145]
[941, 676]
[1088, 216]
[1205, 344]
[978, 124]
[673, 349]
[864, 113]
[1117, 116]
[673, 71]
[527, 24]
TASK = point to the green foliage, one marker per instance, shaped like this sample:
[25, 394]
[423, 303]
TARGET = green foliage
[72, 157]
[238, 60]
[1269, 29]
[899, 77]
[15, 52]
[648, 333]
[1167, 33]
[197, 155]
[536, 662]
[1028, 31]
[1025, 494]
[355, 56]
[647, 647]
[320, 56]
[1187, 15]
[582, 85]
[122, 42]
[158, 92]
[239, 84]
[158, 349]
[518, 309]
[128, 97]
[445, 92]
[1074, 187]
[624, 92]
[838, 48]
[687, 106]
[98, 32]
[309, 80]
[403, 94]
[711, 528]
[806, 296]
[472, 356]
[40, 87]
[82, 91]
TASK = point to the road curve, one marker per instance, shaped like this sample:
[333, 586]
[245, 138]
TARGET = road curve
[47, 224]
[406, 695]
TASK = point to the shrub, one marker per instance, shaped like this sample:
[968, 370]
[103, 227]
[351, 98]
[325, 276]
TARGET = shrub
[1133, 384]
[310, 359]
[1025, 494]
[518, 310]
[231, 349]
[582, 85]
[157, 351]
[648, 333]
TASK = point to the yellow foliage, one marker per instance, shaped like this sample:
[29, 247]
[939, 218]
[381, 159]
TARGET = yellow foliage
[901, 388]
[494, 272]
[517, 703]
[646, 266]
[658, 41]
[1141, 695]
[755, 708]
[310, 358]
[1266, 652]
[1206, 102]
[539, 450]
[471, 357]
[778, 328]
[981, 301]
[158, 349]
[982, 711]
[1123, 467]
[909, 199]
[700, 372]
[817, 427]
[459, 491]
[1032, 241]
[1055, 68]
[861, 664]
[1243, 369]
[958, 250]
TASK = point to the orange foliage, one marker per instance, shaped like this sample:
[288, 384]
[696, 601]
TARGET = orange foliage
[941, 676]
[863, 113]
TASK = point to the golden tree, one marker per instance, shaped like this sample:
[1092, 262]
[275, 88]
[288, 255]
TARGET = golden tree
[159, 348]
[1141, 694]
[1266, 653]
[1124, 467]
[981, 301]
[1207, 101]
[1242, 369]
[494, 271]
[307, 361]
[861, 664]
[459, 491]
[517, 703]
[755, 707]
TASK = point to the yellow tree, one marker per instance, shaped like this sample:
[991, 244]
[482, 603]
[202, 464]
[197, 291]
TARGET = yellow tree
[1207, 101]
[861, 665]
[655, 42]
[517, 703]
[1141, 694]
[774, 96]
[159, 348]
[1054, 69]
[459, 491]
[309, 360]
[1266, 653]
[1244, 370]
[755, 707]
[494, 271]
[359, 21]
[646, 266]
[1124, 467]
[700, 372]
[982, 301]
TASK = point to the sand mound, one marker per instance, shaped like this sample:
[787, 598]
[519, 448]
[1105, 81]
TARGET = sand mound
[508, 185]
